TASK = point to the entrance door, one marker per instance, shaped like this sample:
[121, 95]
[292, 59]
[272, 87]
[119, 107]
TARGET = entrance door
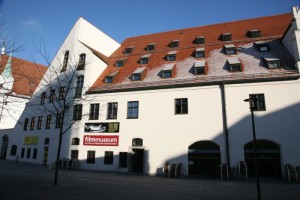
[204, 158]
[268, 157]
[138, 160]
[45, 155]
[4, 147]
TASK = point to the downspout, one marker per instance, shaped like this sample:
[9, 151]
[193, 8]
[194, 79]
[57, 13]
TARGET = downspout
[225, 128]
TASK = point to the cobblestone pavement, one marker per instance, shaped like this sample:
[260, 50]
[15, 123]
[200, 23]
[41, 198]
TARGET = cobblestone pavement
[29, 181]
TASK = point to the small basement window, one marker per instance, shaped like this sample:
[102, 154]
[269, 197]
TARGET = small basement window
[230, 49]
[199, 67]
[174, 44]
[128, 50]
[199, 53]
[272, 62]
[235, 64]
[200, 40]
[171, 56]
[262, 46]
[226, 37]
[145, 59]
[110, 78]
[254, 33]
[150, 47]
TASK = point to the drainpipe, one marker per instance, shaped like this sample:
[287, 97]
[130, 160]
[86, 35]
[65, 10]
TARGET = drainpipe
[225, 128]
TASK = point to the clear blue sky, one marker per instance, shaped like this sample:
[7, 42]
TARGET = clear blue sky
[30, 22]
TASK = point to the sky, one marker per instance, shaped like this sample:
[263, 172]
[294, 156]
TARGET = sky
[42, 25]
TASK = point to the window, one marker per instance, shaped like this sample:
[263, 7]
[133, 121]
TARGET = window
[234, 64]
[133, 109]
[90, 157]
[13, 150]
[65, 62]
[48, 121]
[75, 141]
[81, 62]
[40, 120]
[171, 56]
[120, 63]
[28, 154]
[181, 106]
[109, 78]
[136, 77]
[262, 46]
[166, 74]
[150, 47]
[137, 74]
[174, 43]
[137, 142]
[77, 112]
[43, 97]
[145, 59]
[46, 141]
[199, 53]
[62, 93]
[79, 86]
[58, 120]
[34, 155]
[258, 102]
[109, 157]
[112, 110]
[94, 111]
[52, 95]
[26, 124]
[272, 62]
[74, 154]
[22, 152]
[32, 123]
[123, 159]
[226, 37]
[254, 33]
[128, 50]
[200, 40]
[199, 67]
[230, 49]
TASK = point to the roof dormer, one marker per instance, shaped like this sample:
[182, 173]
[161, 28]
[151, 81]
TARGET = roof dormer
[199, 67]
[174, 43]
[199, 53]
[150, 47]
[171, 56]
[145, 59]
[110, 78]
[235, 64]
[272, 62]
[168, 71]
[262, 46]
[138, 74]
[226, 37]
[128, 50]
[230, 49]
[199, 40]
[254, 33]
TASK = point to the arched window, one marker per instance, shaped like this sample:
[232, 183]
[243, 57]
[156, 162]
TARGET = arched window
[13, 150]
[137, 142]
[75, 141]
[46, 141]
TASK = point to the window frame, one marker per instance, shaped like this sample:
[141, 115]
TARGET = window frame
[181, 106]
[200, 40]
[174, 44]
[32, 123]
[62, 93]
[58, 123]
[199, 53]
[39, 123]
[52, 96]
[132, 109]
[112, 110]
[74, 154]
[260, 104]
[166, 73]
[75, 141]
[34, 153]
[91, 157]
[43, 97]
[26, 122]
[94, 111]
[48, 121]
[108, 158]
[81, 62]
[79, 86]
[77, 112]
[13, 150]
[65, 61]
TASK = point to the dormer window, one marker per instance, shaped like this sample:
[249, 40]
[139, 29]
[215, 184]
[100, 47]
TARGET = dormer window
[262, 46]
[120, 63]
[171, 56]
[230, 49]
[110, 78]
[174, 44]
[200, 40]
[137, 74]
[254, 33]
[145, 59]
[199, 67]
[128, 50]
[226, 37]
[167, 71]
[272, 62]
[199, 53]
[235, 64]
[150, 47]
[81, 62]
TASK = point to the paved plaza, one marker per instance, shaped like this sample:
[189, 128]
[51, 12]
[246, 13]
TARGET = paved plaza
[29, 181]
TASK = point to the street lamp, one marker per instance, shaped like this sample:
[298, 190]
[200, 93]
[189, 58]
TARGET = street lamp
[252, 102]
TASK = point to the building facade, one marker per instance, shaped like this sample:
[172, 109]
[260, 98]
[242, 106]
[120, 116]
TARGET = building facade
[171, 97]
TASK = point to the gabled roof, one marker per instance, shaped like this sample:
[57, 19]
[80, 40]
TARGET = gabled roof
[27, 75]
[272, 28]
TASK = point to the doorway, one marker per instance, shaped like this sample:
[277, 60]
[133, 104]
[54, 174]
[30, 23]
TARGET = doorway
[4, 147]
[137, 160]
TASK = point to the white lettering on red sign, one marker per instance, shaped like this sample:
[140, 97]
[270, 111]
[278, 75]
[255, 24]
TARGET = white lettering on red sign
[101, 140]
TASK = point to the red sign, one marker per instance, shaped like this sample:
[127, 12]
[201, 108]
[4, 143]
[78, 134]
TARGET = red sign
[101, 140]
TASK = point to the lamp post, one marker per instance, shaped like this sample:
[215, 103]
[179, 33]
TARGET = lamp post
[252, 102]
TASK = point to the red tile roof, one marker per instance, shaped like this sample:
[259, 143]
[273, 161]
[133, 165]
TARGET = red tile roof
[27, 75]
[272, 28]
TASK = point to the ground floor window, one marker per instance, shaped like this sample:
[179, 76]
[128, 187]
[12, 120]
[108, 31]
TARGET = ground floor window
[28, 153]
[22, 152]
[109, 158]
[123, 159]
[34, 153]
[91, 157]
[13, 150]
[74, 154]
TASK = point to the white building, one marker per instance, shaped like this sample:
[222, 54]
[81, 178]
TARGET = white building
[171, 97]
